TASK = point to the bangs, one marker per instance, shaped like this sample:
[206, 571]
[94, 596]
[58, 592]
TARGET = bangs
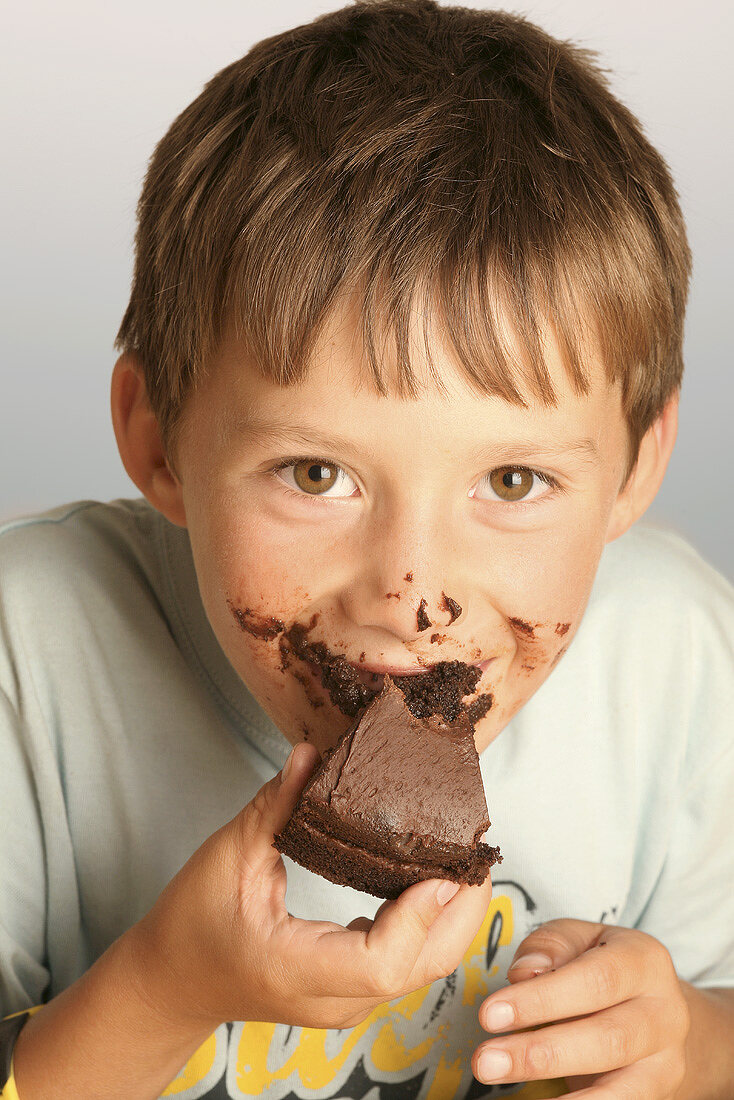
[460, 165]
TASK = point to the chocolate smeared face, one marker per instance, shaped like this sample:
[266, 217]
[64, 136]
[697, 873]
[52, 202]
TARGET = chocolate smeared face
[482, 520]
[439, 690]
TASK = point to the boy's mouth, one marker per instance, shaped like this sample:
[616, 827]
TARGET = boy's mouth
[351, 686]
[372, 674]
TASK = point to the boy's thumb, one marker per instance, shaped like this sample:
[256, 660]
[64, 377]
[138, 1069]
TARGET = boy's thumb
[402, 926]
[267, 814]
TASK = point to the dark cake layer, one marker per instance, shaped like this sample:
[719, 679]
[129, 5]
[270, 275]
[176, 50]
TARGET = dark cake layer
[382, 876]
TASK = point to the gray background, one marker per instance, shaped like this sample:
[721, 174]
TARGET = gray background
[90, 87]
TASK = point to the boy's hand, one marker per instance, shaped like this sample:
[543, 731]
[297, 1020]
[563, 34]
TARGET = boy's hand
[220, 945]
[625, 1015]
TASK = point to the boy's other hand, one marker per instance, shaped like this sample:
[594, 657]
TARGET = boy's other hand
[220, 945]
[625, 1016]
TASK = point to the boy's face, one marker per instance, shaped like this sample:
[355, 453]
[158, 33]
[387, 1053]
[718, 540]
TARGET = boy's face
[383, 503]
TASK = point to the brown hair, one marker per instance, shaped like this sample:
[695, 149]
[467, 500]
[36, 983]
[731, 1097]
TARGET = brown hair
[423, 156]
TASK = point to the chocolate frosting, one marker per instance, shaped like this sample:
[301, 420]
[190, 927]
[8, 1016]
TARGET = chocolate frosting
[380, 776]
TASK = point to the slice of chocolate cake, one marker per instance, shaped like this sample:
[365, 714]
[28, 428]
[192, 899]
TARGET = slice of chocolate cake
[397, 800]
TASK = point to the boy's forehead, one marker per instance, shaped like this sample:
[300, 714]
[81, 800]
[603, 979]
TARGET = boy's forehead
[338, 373]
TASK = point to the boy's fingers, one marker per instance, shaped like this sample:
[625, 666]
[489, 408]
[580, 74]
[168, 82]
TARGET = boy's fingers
[398, 935]
[412, 941]
[360, 924]
[363, 924]
[552, 945]
[270, 809]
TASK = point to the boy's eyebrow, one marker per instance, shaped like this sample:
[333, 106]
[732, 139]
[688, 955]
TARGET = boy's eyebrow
[584, 449]
[260, 430]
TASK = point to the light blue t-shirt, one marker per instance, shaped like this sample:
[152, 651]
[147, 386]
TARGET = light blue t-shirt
[127, 738]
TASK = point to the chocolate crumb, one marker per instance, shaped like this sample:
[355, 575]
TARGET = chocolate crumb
[562, 628]
[346, 690]
[529, 668]
[362, 657]
[422, 618]
[440, 638]
[409, 577]
[260, 626]
[525, 628]
[392, 595]
[479, 708]
[453, 608]
[306, 732]
[440, 690]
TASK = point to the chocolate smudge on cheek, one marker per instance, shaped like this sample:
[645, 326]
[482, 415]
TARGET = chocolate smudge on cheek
[265, 627]
[562, 628]
[409, 577]
[453, 608]
[558, 656]
[305, 683]
[285, 653]
[422, 618]
[521, 627]
[392, 595]
[306, 732]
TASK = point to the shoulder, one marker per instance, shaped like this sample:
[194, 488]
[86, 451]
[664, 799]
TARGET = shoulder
[65, 572]
[72, 528]
[660, 621]
[651, 574]
[68, 547]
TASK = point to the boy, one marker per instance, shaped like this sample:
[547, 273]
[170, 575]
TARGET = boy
[405, 329]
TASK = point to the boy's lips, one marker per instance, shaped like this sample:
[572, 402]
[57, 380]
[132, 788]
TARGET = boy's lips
[372, 675]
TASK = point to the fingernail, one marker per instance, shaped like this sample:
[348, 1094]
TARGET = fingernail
[499, 1015]
[287, 767]
[493, 1065]
[446, 891]
[536, 962]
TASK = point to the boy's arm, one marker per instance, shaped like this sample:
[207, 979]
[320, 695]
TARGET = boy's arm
[115, 1024]
[219, 945]
[710, 1044]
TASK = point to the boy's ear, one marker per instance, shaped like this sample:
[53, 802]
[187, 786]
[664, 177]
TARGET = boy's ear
[139, 441]
[647, 474]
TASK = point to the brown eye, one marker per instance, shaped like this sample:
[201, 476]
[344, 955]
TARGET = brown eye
[511, 482]
[314, 477]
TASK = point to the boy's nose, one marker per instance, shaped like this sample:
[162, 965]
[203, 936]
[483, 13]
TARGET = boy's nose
[407, 578]
[409, 603]
[406, 610]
